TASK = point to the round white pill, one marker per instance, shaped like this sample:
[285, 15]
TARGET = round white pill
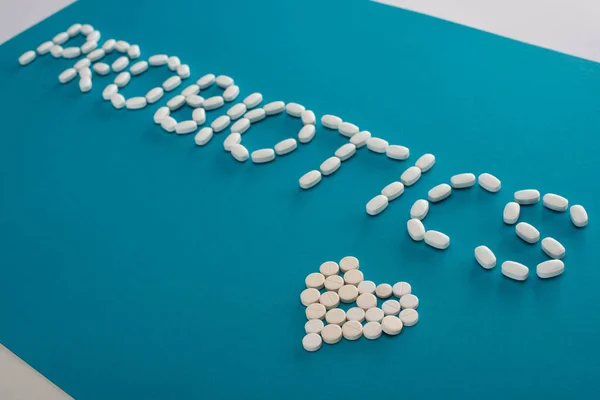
[330, 300]
[331, 334]
[315, 311]
[353, 277]
[329, 268]
[409, 317]
[334, 283]
[409, 301]
[366, 301]
[312, 342]
[401, 288]
[390, 307]
[348, 263]
[313, 326]
[355, 314]
[315, 280]
[348, 293]
[352, 330]
[309, 296]
[372, 330]
[374, 314]
[391, 325]
[384, 290]
[366, 287]
[336, 316]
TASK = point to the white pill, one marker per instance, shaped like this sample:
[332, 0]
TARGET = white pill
[409, 317]
[193, 100]
[307, 133]
[86, 29]
[366, 287]
[335, 316]
[329, 300]
[183, 71]
[206, 81]
[377, 204]
[185, 127]
[462, 181]
[353, 277]
[527, 232]
[419, 209]
[352, 330]
[136, 103]
[168, 124]
[239, 152]
[308, 117]
[231, 93]
[139, 67]
[331, 334]
[377, 145]
[391, 325]
[409, 301]
[329, 268]
[88, 46]
[85, 84]
[253, 100]
[223, 81]
[383, 290]
[171, 83]
[122, 79]
[401, 289]
[173, 63]
[439, 193]
[85, 73]
[579, 216]
[154, 95]
[315, 311]
[489, 182]
[391, 307]
[133, 51]
[95, 55]
[348, 129]
[263, 156]
[212, 103]
[331, 121]
[396, 152]
[527, 196]
[83, 63]
[485, 257]
[334, 283]
[313, 326]
[74, 30]
[120, 64]
[240, 126]
[220, 123]
[437, 240]
[45, 47]
[550, 269]
[118, 101]
[176, 102]
[158, 60]
[109, 91]
[236, 111]
[109, 46]
[555, 202]
[330, 165]
[310, 179]
[71, 52]
[355, 314]
[366, 301]
[348, 263]
[55, 50]
[425, 162]
[553, 248]
[345, 152]
[203, 136]
[94, 35]
[199, 115]
[61, 38]
[285, 146]
[372, 330]
[410, 176]
[294, 109]
[258, 114]
[511, 213]
[275, 107]
[67, 75]
[160, 114]
[231, 139]
[361, 139]
[101, 68]
[416, 230]
[514, 270]
[393, 190]
[374, 314]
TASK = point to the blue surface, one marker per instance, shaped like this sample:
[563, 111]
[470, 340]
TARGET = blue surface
[135, 265]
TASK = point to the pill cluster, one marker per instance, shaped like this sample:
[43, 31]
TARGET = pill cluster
[344, 282]
[529, 234]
